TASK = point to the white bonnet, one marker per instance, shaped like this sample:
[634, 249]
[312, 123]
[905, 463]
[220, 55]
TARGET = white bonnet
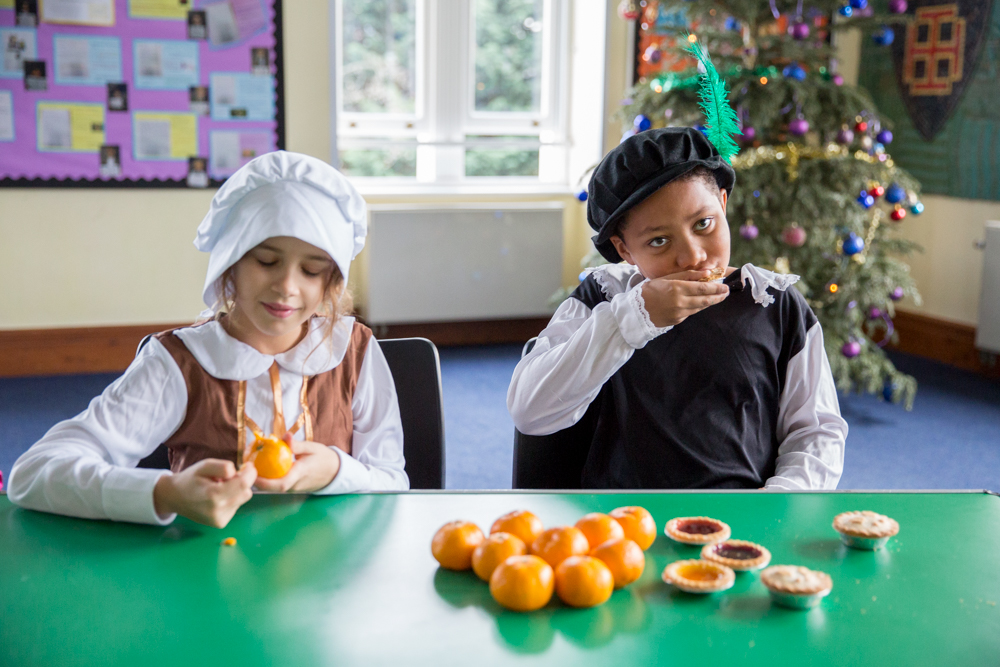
[281, 194]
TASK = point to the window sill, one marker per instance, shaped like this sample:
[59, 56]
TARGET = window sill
[412, 191]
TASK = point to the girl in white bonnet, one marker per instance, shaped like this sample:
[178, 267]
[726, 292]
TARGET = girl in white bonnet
[279, 355]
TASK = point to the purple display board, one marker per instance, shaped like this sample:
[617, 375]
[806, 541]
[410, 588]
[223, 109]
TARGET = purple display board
[149, 93]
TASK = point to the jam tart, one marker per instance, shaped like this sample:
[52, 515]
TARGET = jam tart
[697, 530]
[796, 586]
[699, 576]
[739, 555]
[864, 529]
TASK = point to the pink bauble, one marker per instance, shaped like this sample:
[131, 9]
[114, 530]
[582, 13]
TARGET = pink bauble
[897, 6]
[798, 127]
[794, 236]
[799, 30]
[851, 349]
[838, 80]
[749, 231]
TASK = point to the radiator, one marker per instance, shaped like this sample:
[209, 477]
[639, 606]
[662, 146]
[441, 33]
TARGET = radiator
[988, 330]
[468, 262]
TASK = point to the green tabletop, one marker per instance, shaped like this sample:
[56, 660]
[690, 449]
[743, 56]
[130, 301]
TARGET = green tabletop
[350, 581]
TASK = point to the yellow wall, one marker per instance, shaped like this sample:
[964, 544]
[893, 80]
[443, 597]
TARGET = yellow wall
[81, 257]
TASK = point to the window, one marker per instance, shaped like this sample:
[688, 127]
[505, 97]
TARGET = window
[447, 92]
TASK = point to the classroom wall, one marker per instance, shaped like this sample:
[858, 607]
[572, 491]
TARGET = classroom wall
[85, 257]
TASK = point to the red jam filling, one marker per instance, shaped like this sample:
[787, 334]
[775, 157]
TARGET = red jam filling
[737, 551]
[698, 527]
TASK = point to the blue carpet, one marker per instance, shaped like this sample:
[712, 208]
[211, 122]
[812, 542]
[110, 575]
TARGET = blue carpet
[951, 439]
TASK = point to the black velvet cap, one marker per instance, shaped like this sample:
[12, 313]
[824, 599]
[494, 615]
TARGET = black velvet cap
[641, 165]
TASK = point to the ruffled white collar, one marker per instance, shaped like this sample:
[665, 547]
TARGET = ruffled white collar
[226, 358]
[615, 279]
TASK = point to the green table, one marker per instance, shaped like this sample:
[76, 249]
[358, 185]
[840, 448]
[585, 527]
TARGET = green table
[350, 581]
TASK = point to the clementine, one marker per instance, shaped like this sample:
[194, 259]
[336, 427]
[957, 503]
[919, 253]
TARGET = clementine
[599, 528]
[557, 544]
[454, 543]
[494, 550]
[584, 581]
[624, 558]
[637, 523]
[522, 583]
[271, 457]
[521, 523]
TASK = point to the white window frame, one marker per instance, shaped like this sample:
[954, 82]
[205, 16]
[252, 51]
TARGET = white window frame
[445, 97]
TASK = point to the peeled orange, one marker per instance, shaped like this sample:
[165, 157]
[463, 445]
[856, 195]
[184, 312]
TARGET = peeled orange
[584, 581]
[271, 457]
[599, 528]
[494, 550]
[624, 558]
[521, 523]
[522, 583]
[637, 523]
[557, 544]
[454, 543]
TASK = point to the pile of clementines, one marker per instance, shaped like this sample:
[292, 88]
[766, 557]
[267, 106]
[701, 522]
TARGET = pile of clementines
[524, 563]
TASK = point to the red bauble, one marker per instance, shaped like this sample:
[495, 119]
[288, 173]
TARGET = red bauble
[861, 126]
[877, 191]
[794, 236]
[628, 10]
[898, 213]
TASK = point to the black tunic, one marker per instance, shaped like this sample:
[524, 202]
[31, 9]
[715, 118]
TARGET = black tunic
[697, 407]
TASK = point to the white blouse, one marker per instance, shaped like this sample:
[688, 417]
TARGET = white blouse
[85, 466]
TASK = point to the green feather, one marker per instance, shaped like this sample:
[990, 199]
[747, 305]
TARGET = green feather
[721, 122]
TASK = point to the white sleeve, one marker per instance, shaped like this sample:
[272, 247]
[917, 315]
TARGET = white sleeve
[810, 428]
[574, 356]
[85, 466]
[376, 460]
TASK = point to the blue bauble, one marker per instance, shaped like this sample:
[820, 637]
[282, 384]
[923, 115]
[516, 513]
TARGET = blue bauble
[853, 244]
[866, 200]
[895, 193]
[641, 123]
[581, 194]
[732, 24]
[884, 137]
[888, 390]
[793, 71]
[884, 36]
[582, 276]
[859, 4]
[917, 208]
[628, 133]
[702, 129]
[846, 11]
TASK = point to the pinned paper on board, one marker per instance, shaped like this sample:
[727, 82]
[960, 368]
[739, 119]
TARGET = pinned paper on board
[87, 61]
[165, 64]
[231, 150]
[237, 96]
[158, 9]
[79, 12]
[66, 127]
[164, 136]
[18, 45]
[6, 116]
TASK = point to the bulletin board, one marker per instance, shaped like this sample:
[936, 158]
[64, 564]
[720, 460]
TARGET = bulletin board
[137, 93]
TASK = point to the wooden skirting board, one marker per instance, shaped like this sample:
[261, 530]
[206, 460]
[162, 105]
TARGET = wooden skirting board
[37, 352]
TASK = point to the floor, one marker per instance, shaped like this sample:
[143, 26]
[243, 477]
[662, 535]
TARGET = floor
[951, 439]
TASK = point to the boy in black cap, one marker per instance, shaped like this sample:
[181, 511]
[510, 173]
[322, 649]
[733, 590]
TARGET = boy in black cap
[694, 374]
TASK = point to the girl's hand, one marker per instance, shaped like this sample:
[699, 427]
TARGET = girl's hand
[208, 492]
[315, 467]
[672, 299]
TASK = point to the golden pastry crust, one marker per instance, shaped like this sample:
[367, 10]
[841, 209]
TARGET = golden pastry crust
[865, 524]
[716, 273]
[674, 531]
[795, 580]
[723, 578]
[711, 552]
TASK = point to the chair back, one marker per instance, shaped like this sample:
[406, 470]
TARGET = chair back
[553, 461]
[416, 372]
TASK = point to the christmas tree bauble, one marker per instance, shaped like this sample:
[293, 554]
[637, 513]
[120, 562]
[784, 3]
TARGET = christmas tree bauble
[799, 30]
[888, 389]
[798, 126]
[749, 231]
[861, 126]
[897, 294]
[874, 313]
[794, 236]
[898, 213]
[897, 6]
[641, 123]
[846, 11]
[866, 200]
[884, 36]
[794, 71]
[627, 133]
[628, 10]
[853, 244]
[845, 136]
[884, 137]
[876, 191]
[749, 134]
[851, 349]
[895, 193]
[581, 194]
[838, 80]
[867, 143]
[859, 4]
[917, 208]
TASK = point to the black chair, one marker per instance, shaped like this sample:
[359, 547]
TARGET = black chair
[416, 372]
[553, 461]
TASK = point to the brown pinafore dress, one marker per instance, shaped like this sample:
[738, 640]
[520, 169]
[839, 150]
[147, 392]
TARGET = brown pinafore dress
[216, 422]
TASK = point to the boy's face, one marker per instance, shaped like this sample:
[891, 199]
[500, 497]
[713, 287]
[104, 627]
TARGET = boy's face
[680, 227]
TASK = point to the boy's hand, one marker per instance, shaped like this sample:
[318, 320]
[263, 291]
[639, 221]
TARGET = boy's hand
[672, 299]
[315, 467]
[208, 492]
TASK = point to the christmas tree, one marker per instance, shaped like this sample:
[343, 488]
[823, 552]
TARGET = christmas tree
[817, 193]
